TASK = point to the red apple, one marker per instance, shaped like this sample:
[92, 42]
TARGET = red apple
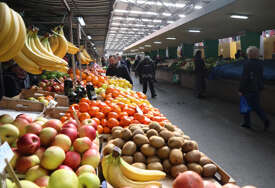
[85, 168]
[56, 88]
[90, 122]
[21, 124]
[69, 125]
[26, 117]
[34, 128]
[42, 84]
[70, 121]
[91, 157]
[72, 159]
[28, 144]
[70, 132]
[87, 131]
[49, 88]
[95, 146]
[42, 181]
[54, 123]
[65, 167]
[47, 135]
[24, 163]
[82, 144]
[39, 152]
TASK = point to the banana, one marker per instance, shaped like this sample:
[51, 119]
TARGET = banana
[72, 49]
[19, 42]
[5, 20]
[138, 174]
[45, 42]
[63, 46]
[54, 42]
[11, 37]
[27, 64]
[105, 167]
[117, 179]
[85, 53]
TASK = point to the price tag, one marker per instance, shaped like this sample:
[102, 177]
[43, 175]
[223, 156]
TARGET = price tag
[5, 153]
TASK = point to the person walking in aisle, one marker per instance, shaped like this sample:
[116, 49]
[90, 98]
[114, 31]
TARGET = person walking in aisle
[251, 85]
[137, 74]
[147, 70]
[200, 83]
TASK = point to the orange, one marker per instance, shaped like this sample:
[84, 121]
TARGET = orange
[89, 78]
[106, 130]
[94, 103]
[112, 115]
[139, 117]
[93, 110]
[116, 109]
[134, 121]
[130, 111]
[76, 107]
[106, 109]
[125, 121]
[104, 122]
[99, 129]
[112, 122]
[99, 115]
[84, 107]
[83, 116]
[85, 100]
[63, 119]
[121, 114]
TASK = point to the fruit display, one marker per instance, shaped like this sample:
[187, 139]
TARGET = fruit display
[43, 99]
[12, 33]
[83, 56]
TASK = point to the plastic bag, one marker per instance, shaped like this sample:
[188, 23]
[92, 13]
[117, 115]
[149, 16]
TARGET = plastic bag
[244, 107]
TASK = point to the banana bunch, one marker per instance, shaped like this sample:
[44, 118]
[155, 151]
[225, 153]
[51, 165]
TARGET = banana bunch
[83, 56]
[121, 174]
[34, 57]
[58, 42]
[45, 42]
[72, 49]
[12, 33]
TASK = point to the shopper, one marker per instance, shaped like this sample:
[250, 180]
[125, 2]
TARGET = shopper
[238, 54]
[251, 85]
[138, 74]
[157, 61]
[103, 62]
[116, 68]
[200, 70]
[147, 70]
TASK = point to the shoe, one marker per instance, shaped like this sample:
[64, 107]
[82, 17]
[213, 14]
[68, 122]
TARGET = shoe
[266, 125]
[244, 125]
[154, 96]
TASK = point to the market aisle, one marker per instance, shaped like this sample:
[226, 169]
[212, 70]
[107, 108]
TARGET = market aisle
[248, 155]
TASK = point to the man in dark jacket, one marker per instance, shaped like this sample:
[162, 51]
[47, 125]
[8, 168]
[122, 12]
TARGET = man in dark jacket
[116, 68]
[251, 85]
[200, 70]
[147, 70]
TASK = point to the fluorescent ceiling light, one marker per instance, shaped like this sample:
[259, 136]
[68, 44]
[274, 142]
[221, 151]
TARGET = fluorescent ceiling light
[182, 16]
[176, 5]
[146, 20]
[198, 7]
[171, 38]
[81, 21]
[157, 42]
[194, 31]
[136, 12]
[239, 17]
[147, 46]
[150, 26]
[89, 37]
[166, 14]
[170, 22]
[157, 21]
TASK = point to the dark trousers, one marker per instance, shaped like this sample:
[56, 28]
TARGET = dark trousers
[253, 100]
[200, 84]
[145, 82]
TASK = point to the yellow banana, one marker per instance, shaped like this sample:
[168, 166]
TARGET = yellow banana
[19, 42]
[72, 49]
[85, 53]
[138, 174]
[27, 64]
[54, 42]
[63, 46]
[5, 20]
[45, 42]
[105, 167]
[11, 37]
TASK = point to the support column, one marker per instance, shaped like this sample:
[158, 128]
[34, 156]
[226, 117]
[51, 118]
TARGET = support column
[72, 41]
[188, 50]
[78, 43]
[211, 48]
[250, 39]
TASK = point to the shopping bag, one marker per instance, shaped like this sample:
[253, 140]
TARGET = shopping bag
[244, 107]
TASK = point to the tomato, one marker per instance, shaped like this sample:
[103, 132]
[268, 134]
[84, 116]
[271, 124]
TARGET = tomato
[112, 122]
[125, 121]
[84, 107]
[106, 109]
[93, 110]
[112, 115]
[130, 111]
[85, 100]
[99, 115]
[83, 116]
[121, 114]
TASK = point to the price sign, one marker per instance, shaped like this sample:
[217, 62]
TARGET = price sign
[5, 153]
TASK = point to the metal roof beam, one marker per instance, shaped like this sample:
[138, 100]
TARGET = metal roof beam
[66, 5]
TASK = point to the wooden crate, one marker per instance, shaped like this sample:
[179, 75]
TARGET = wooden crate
[21, 104]
[56, 112]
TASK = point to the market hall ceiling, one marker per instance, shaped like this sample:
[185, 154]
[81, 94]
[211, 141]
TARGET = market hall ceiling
[46, 14]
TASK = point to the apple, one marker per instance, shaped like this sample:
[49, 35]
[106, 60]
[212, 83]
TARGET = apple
[42, 84]
[44, 101]
[88, 180]
[89, 122]
[25, 116]
[63, 141]
[9, 183]
[28, 144]
[9, 133]
[40, 118]
[49, 88]
[47, 135]
[26, 184]
[34, 128]
[26, 162]
[42, 181]
[63, 178]
[6, 118]
[70, 121]
[21, 124]
[35, 172]
[39, 152]
[70, 132]
[56, 88]
[87, 131]
[72, 159]
[54, 123]
[15, 157]
[91, 157]
[96, 141]
[65, 167]
[94, 146]
[85, 168]
[82, 144]
[69, 125]
[52, 158]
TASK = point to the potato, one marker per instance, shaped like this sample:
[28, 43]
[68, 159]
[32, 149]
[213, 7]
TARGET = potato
[155, 125]
[108, 149]
[175, 142]
[175, 170]
[129, 148]
[156, 141]
[195, 167]
[163, 152]
[193, 156]
[126, 134]
[189, 145]
[133, 127]
[116, 128]
[145, 129]
[138, 131]
[176, 156]
[151, 132]
[155, 166]
[148, 150]
[139, 165]
[152, 159]
[205, 160]
[166, 165]
[139, 157]
[128, 159]
[170, 127]
[118, 142]
[209, 170]
[140, 139]
[166, 134]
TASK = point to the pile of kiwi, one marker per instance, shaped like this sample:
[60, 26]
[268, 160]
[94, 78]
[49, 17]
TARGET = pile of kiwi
[160, 148]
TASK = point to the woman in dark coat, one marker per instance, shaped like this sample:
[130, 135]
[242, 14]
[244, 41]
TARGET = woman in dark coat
[200, 83]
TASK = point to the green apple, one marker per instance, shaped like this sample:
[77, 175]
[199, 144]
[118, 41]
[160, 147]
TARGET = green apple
[21, 124]
[36, 172]
[47, 135]
[63, 141]
[41, 98]
[88, 180]
[63, 178]
[9, 133]
[44, 101]
[84, 169]
[52, 157]
[9, 183]
[6, 118]
[26, 184]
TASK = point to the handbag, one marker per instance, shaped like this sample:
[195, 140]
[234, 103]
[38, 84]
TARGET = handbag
[244, 107]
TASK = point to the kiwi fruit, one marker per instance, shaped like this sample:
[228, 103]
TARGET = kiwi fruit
[133, 127]
[195, 167]
[175, 142]
[177, 169]
[163, 152]
[152, 159]
[155, 125]
[138, 131]
[209, 170]
[176, 156]
[118, 142]
[151, 132]
[128, 159]
[126, 134]
[116, 133]
[156, 141]
[148, 150]
[186, 137]
[140, 139]
[139, 157]
[108, 149]
[129, 148]
[155, 166]
[193, 156]
[166, 134]
[170, 127]
[139, 165]
[166, 165]
[189, 145]
[205, 160]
